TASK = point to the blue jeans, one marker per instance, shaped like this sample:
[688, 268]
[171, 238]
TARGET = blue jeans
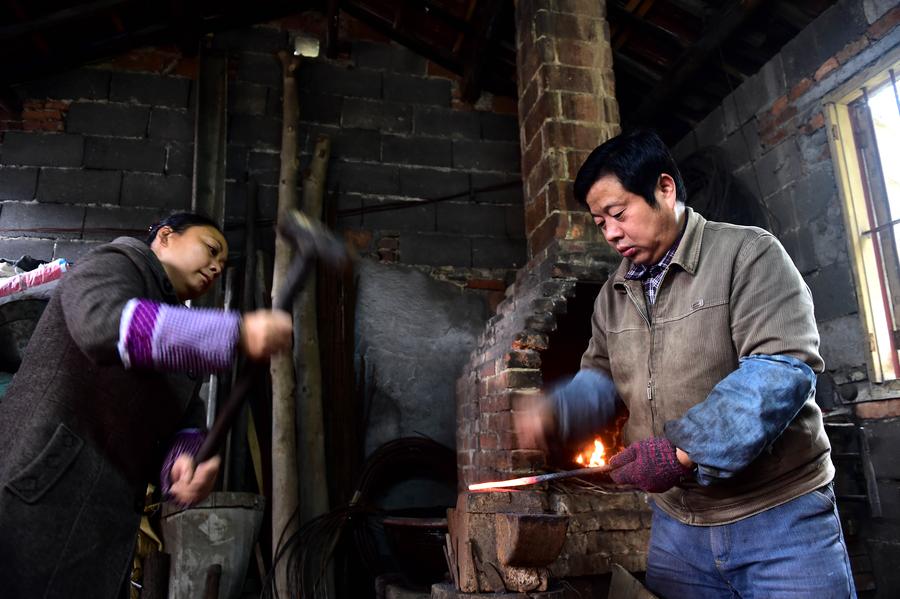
[795, 550]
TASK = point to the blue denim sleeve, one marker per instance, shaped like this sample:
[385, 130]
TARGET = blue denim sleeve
[584, 405]
[743, 415]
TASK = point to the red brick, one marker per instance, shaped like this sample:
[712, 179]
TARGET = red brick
[524, 378]
[852, 49]
[42, 126]
[827, 67]
[522, 358]
[566, 78]
[529, 340]
[779, 106]
[561, 196]
[883, 25]
[578, 54]
[499, 402]
[801, 88]
[888, 408]
[553, 227]
[575, 158]
[815, 123]
[497, 383]
[527, 459]
[540, 176]
[488, 369]
[491, 284]
[576, 136]
[359, 239]
[496, 421]
[535, 212]
[488, 441]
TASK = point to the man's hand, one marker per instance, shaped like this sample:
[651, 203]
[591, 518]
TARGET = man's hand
[534, 423]
[192, 485]
[266, 332]
[651, 465]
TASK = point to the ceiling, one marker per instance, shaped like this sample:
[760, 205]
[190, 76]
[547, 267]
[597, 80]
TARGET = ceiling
[674, 60]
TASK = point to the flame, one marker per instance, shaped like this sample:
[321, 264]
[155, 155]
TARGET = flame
[592, 456]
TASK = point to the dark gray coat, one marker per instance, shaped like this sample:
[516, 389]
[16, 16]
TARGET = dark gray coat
[80, 436]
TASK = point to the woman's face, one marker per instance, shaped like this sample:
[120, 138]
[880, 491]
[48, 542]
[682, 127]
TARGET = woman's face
[193, 259]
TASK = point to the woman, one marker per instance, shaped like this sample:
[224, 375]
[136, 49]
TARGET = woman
[107, 381]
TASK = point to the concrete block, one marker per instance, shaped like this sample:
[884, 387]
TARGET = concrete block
[486, 155]
[153, 90]
[814, 192]
[167, 123]
[323, 109]
[17, 183]
[435, 249]
[515, 222]
[247, 98]
[832, 291]
[76, 186]
[108, 222]
[685, 147]
[875, 9]
[265, 167]
[254, 131]
[471, 219]
[326, 78]
[263, 68]
[843, 343]
[368, 178]
[799, 246]
[513, 194]
[711, 130]
[390, 57]
[501, 127]
[417, 217]
[828, 235]
[416, 90]
[125, 154]
[839, 25]
[15, 215]
[236, 162]
[390, 117]
[15, 248]
[802, 56]
[446, 123]
[349, 201]
[42, 149]
[431, 184]
[736, 149]
[355, 144]
[489, 252]
[101, 118]
[156, 191]
[76, 84]
[884, 436]
[416, 151]
[252, 39]
[179, 159]
[73, 251]
[781, 206]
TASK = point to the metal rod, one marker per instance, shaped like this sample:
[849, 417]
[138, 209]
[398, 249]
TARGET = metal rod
[539, 478]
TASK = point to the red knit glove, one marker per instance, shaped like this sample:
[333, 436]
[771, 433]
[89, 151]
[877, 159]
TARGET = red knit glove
[650, 465]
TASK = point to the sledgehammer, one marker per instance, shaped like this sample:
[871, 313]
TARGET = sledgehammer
[311, 242]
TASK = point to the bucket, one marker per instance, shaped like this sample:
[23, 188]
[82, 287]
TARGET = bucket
[220, 530]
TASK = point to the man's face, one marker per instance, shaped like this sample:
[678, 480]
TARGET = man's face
[639, 232]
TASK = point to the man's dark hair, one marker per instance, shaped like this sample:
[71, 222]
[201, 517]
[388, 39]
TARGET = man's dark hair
[637, 159]
[179, 222]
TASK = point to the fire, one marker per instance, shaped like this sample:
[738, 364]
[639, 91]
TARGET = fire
[592, 456]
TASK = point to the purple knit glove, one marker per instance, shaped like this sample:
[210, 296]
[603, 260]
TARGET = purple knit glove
[189, 441]
[650, 465]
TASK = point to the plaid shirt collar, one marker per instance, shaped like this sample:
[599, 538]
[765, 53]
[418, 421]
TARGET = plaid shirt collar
[651, 276]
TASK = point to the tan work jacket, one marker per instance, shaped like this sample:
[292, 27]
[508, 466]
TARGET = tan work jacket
[729, 292]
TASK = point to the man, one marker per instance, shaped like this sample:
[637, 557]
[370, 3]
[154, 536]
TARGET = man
[706, 333]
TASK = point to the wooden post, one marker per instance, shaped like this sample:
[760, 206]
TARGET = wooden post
[307, 359]
[284, 436]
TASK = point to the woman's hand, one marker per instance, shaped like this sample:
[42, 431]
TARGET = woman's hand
[266, 332]
[192, 485]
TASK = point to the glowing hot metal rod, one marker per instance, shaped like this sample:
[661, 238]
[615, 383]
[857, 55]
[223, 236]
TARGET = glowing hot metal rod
[540, 478]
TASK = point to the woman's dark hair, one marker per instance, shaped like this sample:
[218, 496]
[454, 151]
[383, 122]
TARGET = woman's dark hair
[179, 221]
[637, 159]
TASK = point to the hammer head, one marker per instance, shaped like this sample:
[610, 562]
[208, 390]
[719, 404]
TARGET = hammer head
[311, 240]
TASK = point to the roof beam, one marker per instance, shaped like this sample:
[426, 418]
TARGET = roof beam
[38, 24]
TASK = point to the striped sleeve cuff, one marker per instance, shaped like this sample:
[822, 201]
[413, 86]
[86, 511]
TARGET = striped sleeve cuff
[160, 336]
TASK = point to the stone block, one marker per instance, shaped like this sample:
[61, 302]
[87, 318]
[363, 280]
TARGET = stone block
[430, 184]
[42, 149]
[77, 84]
[251, 39]
[471, 219]
[255, 131]
[236, 162]
[15, 248]
[156, 191]
[322, 109]
[832, 291]
[108, 222]
[843, 343]
[502, 502]
[125, 154]
[261, 68]
[488, 252]
[74, 250]
[76, 186]
[15, 215]
[265, 167]
[172, 124]
[390, 117]
[501, 127]
[511, 194]
[248, 98]
[839, 25]
[179, 159]
[416, 151]
[101, 118]
[447, 123]
[349, 202]
[17, 183]
[369, 179]
[153, 90]
[802, 56]
[416, 90]
[435, 250]
[486, 155]
[325, 78]
[416, 218]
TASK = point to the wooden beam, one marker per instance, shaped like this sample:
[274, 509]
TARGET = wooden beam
[719, 29]
[485, 19]
[55, 19]
[332, 27]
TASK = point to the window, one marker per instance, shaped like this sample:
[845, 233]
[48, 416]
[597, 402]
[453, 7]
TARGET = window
[864, 130]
